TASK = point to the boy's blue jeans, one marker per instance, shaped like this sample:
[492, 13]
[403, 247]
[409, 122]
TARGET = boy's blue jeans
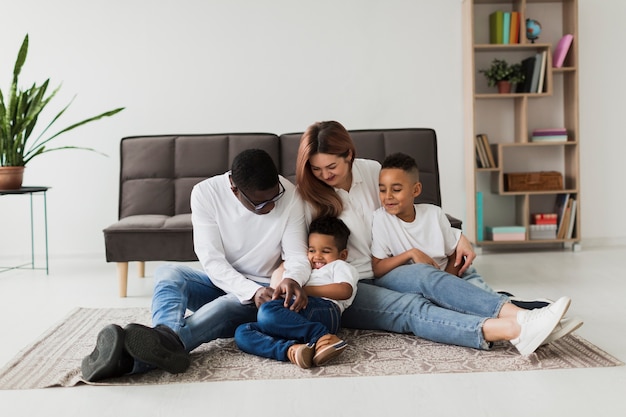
[277, 328]
[427, 302]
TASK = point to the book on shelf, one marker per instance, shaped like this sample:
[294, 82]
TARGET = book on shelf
[542, 72]
[514, 33]
[528, 65]
[559, 207]
[490, 159]
[496, 21]
[481, 156]
[506, 229]
[572, 221]
[534, 81]
[554, 138]
[549, 135]
[480, 225]
[544, 218]
[501, 233]
[560, 52]
[506, 27]
[564, 224]
[542, 231]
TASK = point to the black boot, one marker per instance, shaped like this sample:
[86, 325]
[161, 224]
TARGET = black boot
[158, 346]
[109, 359]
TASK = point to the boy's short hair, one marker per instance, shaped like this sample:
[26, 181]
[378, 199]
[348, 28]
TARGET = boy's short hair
[331, 226]
[401, 161]
[254, 170]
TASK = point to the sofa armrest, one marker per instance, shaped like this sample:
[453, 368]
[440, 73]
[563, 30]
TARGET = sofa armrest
[456, 223]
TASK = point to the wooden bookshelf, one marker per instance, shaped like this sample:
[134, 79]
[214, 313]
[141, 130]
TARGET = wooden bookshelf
[509, 119]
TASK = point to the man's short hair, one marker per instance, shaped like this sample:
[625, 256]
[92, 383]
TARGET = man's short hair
[331, 226]
[254, 170]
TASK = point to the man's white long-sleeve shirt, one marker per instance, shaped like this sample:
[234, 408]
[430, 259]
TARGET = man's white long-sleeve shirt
[237, 247]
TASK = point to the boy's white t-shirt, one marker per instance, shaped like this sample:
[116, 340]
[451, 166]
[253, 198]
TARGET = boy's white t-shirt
[430, 232]
[334, 273]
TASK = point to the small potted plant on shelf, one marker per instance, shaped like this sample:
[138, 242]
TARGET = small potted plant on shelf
[19, 112]
[503, 75]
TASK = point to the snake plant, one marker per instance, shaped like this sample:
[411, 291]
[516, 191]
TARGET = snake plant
[19, 114]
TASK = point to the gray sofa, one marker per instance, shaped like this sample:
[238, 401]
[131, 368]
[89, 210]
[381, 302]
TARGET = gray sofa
[158, 172]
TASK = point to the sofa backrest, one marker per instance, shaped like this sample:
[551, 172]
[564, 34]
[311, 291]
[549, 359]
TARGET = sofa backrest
[158, 172]
[420, 143]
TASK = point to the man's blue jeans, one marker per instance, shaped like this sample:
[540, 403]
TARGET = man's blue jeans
[427, 302]
[215, 314]
[277, 328]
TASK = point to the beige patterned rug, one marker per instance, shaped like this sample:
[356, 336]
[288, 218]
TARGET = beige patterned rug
[54, 359]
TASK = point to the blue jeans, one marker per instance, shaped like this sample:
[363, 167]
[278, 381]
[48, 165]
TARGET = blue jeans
[427, 302]
[278, 328]
[215, 313]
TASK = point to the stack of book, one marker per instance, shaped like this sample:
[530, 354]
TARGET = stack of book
[504, 27]
[549, 135]
[544, 226]
[484, 155]
[500, 233]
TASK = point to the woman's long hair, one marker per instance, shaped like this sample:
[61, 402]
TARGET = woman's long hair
[322, 137]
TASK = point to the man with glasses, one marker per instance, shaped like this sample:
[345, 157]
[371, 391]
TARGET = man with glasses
[245, 222]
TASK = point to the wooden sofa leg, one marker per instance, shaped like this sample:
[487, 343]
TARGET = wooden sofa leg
[141, 269]
[122, 277]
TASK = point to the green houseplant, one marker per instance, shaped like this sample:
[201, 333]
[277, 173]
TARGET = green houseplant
[502, 74]
[19, 114]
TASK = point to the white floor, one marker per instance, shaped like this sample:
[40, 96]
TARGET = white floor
[31, 302]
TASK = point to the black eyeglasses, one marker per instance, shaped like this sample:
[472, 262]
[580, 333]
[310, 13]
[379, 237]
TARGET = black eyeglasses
[260, 206]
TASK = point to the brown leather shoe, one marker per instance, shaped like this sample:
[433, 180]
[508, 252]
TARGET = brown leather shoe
[328, 347]
[301, 355]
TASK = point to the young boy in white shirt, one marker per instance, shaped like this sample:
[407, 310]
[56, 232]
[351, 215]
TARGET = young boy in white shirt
[402, 232]
[308, 338]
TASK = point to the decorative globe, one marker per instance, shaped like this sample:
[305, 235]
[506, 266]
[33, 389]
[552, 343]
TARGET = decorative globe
[533, 29]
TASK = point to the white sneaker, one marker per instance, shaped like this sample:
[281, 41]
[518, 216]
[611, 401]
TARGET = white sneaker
[566, 326]
[538, 324]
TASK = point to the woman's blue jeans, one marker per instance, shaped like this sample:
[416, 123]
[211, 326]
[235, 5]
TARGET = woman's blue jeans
[215, 315]
[427, 302]
[277, 328]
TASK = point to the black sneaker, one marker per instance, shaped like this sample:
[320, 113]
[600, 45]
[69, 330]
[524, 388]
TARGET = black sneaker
[109, 359]
[526, 304]
[158, 346]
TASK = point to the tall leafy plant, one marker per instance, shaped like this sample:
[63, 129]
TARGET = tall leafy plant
[19, 115]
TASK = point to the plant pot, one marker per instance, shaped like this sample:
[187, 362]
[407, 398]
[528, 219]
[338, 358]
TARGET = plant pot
[11, 178]
[504, 87]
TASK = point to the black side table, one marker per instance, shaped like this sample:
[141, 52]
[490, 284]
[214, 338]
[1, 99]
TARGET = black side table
[31, 191]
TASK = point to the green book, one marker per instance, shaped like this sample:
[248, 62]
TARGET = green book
[496, 27]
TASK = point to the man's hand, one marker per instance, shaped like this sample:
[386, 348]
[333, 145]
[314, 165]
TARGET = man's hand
[465, 255]
[295, 297]
[263, 295]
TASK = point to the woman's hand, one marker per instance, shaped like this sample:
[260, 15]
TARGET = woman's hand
[465, 254]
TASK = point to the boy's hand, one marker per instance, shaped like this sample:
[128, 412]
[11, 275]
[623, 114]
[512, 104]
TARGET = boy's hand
[295, 297]
[419, 257]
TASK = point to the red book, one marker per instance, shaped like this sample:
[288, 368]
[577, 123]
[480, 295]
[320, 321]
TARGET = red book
[514, 35]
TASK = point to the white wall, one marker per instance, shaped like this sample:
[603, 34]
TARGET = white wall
[211, 66]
